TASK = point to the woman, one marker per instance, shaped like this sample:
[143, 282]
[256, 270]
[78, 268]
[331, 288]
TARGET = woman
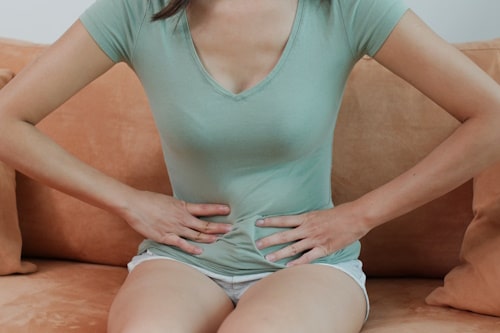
[245, 95]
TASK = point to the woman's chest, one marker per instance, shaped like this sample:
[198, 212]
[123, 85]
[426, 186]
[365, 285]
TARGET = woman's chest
[289, 111]
[239, 43]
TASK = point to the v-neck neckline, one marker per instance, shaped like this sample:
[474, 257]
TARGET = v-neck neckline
[259, 85]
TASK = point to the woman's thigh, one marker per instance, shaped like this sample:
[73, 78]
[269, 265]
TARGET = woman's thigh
[168, 296]
[307, 298]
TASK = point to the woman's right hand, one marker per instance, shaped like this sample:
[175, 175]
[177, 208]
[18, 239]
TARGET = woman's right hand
[170, 221]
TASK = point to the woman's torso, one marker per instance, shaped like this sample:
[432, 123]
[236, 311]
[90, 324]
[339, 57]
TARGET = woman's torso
[263, 145]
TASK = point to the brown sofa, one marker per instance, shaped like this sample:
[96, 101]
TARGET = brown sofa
[384, 127]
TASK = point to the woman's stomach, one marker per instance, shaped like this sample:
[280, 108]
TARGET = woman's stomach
[235, 253]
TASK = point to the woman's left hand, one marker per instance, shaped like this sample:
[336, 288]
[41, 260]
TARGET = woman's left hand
[315, 234]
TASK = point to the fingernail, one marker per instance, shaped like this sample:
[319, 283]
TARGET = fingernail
[259, 222]
[258, 244]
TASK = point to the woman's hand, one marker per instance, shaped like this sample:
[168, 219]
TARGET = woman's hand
[167, 220]
[316, 234]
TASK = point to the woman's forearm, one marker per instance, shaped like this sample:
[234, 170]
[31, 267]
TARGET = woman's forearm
[31, 152]
[470, 149]
[57, 74]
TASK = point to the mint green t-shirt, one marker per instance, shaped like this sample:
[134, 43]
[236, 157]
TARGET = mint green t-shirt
[266, 151]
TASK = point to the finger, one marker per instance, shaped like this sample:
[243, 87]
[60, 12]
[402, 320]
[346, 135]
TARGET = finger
[207, 227]
[308, 257]
[280, 221]
[174, 240]
[198, 236]
[283, 237]
[289, 251]
[207, 209]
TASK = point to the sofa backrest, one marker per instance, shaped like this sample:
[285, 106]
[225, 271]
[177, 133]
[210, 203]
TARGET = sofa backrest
[108, 125]
[384, 127]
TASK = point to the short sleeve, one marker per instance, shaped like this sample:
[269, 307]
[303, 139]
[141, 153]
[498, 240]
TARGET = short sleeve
[368, 23]
[114, 25]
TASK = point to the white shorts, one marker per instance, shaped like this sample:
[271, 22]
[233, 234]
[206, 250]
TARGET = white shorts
[235, 286]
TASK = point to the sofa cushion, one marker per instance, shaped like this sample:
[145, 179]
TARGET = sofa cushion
[60, 297]
[75, 297]
[398, 307]
[473, 285]
[386, 126]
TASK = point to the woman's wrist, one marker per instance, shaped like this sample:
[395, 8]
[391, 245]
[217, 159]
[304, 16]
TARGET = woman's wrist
[121, 201]
[368, 213]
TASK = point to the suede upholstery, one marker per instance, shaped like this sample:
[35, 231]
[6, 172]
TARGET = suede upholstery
[384, 127]
[473, 285]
